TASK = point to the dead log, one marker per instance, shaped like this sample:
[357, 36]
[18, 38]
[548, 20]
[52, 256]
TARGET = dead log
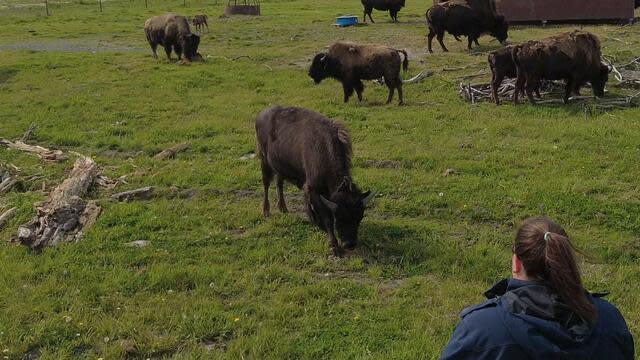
[137, 194]
[6, 216]
[422, 75]
[64, 215]
[7, 184]
[171, 152]
[43, 153]
[27, 135]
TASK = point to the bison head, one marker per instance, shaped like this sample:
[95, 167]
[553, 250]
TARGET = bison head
[500, 30]
[319, 69]
[347, 205]
[190, 46]
[600, 79]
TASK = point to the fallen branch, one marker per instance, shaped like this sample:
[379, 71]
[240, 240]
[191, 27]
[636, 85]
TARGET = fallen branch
[137, 194]
[6, 216]
[64, 215]
[421, 76]
[43, 153]
[7, 184]
[171, 152]
[27, 135]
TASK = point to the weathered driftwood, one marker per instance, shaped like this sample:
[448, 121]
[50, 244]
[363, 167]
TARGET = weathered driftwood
[419, 77]
[64, 215]
[43, 153]
[27, 134]
[7, 184]
[6, 216]
[137, 194]
[482, 92]
[171, 152]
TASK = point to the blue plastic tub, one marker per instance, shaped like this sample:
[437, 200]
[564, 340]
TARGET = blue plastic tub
[346, 20]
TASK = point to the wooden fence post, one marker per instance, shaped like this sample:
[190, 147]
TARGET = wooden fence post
[46, 6]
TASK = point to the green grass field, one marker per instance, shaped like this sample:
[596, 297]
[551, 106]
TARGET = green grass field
[218, 280]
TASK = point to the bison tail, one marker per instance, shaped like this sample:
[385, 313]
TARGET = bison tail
[405, 62]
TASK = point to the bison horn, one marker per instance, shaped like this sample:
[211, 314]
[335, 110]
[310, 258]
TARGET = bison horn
[368, 196]
[331, 205]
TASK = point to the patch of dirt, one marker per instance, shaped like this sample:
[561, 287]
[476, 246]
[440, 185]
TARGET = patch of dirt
[116, 154]
[383, 285]
[381, 164]
[220, 342]
[62, 45]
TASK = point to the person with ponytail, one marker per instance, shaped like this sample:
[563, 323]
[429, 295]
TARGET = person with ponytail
[543, 311]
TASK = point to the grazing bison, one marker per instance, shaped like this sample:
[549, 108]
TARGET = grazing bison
[350, 63]
[172, 31]
[200, 21]
[313, 153]
[393, 6]
[574, 57]
[464, 17]
[502, 65]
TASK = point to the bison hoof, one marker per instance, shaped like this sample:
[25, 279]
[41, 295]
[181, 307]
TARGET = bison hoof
[337, 252]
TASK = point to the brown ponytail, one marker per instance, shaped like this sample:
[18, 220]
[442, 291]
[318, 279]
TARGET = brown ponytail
[548, 255]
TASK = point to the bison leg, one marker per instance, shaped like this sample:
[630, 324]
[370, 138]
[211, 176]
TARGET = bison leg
[496, 80]
[440, 36]
[567, 90]
[532, 83]
[359, 86]
[178, 50]
[282, 205]
[476, 41]
[519, 87]
[167, 49]
[154, 46]
[392, 88]
[267, 176]
[206, 25]
[348, 91]
[369, 13]
[399, 87]
[393, 15]
[430, 37]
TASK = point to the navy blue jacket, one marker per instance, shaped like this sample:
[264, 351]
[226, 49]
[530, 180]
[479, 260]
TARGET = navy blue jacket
[524, 320]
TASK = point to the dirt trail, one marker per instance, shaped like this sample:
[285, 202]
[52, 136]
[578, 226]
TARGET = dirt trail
[90, 46]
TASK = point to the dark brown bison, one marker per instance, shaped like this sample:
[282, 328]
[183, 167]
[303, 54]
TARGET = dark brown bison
[574, 57]
[313, 153]
[393, 6]
[502, 66]
[350, 63]
[464, 17]
[172, 31]
[200, 22]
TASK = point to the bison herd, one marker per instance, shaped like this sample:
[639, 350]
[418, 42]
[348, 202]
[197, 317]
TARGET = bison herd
[314, 153]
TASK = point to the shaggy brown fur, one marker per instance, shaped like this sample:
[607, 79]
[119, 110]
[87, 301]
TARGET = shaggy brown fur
[502, 65]
[313, 153]
[172, 31]
[350, 63]
[574, 57]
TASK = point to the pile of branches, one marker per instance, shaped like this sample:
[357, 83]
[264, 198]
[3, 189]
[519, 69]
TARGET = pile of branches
[627, 76]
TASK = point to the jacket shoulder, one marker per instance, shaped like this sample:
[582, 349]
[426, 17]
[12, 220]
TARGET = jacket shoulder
[488, 304]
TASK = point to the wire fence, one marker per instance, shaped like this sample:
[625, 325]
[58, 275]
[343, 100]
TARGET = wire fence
[46, 6]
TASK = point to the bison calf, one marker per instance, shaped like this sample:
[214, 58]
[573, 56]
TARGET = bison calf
[393, 6]
[172, 31]
[350, 63]
[464, 17]
[574, 57]
[200, 21]
[502, 66]
[313, 153]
